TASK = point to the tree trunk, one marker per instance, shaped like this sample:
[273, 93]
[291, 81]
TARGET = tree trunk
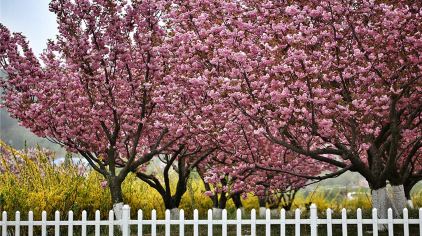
[220, 204]
[172, 205]
[237, 200]
[175, 213]
[381, 202]
[217, 213]
[223, 201]
[407, 189]
[261, 212]
[115, 187]
[275, 213]
[398, 199]
[262, 206]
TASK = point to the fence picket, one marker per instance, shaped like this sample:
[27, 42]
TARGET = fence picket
[124, 224]
[253, 222]
[97, 223]
[182, 222]
[210, 224]
[313, 218]
[125, 220]
[154, 223]
[140, 216]
[167, 225]
[420, 221]
[359, 219]
[297, 222]
[17, 226]
[390, 222]
[374, 222]
[70, 226]
[329, 223]
[267, 222]
[57, 223]
[239, 222]
[30, 223]
[344, 221]
[111, 223]
[195, 222]
[83, 227]
[4, 222]
[282, 222]
[44, 223]
[224, 224]
[405, 222]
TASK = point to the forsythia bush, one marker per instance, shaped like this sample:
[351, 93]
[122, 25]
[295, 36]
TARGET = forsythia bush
[30, 181]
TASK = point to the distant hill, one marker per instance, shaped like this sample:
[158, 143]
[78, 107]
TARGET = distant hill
[17, 136]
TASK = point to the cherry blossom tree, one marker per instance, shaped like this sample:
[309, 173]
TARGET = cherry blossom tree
[97, 89]
[334, 81]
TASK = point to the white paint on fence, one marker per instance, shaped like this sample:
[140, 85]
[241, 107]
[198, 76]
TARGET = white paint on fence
[344, 221]
[242, 225]
[297, 222]
[359, 218]
[282, 222]
[329, 223]
[182, 223]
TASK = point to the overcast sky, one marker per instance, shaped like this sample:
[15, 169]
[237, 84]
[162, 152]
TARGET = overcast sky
[30, 17]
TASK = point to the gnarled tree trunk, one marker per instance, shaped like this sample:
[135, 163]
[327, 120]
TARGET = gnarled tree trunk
[381, 201]
[115, 186]
[398, 199]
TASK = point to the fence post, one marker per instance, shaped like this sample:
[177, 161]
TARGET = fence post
[267, 222]
[153, 222]
[70, 227]
[57, 223]
[314, 217]
[167, 225]
[253, 222]
[44, 223]
[359, 219]
[390, 222]
[297, 222]
[224, 223]
[4, 221]
[344, 222]
[420, 221]
[30, 223]
[140, 218]
[195, 222]
[282, 222]
[125, 220]
[110, 223]
[210, 224]
[329, 222]
[182, 222]
[374, 222]
[239, 222]
[84, 221]
[405, 222]
[97, 223]
[17, 226]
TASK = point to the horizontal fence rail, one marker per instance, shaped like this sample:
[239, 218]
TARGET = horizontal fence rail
[241, 226]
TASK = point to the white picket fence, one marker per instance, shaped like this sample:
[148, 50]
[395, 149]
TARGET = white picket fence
[126, 223]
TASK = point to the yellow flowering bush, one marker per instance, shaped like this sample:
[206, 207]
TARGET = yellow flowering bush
[35, 184]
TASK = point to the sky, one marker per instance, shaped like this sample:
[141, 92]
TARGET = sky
[33, 19]
[30, 17]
